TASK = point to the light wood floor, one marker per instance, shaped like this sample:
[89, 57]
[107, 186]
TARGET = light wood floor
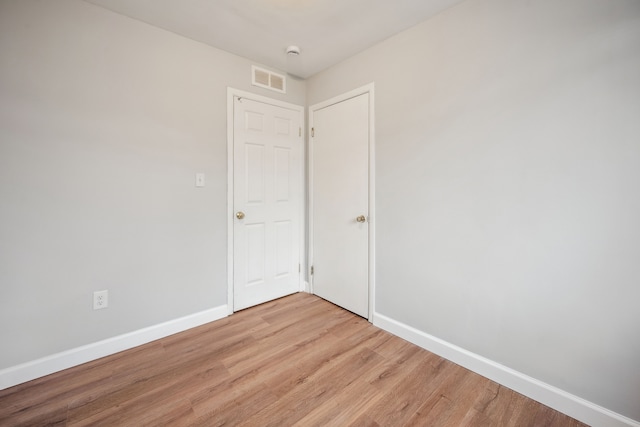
[294, 361]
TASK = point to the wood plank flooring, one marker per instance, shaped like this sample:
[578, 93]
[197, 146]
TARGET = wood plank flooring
[296, 361]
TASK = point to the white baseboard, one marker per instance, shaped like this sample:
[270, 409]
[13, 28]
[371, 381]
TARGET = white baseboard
[57, 362]
[546, 394]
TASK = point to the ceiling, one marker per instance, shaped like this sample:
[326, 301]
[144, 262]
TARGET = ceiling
[327, 31]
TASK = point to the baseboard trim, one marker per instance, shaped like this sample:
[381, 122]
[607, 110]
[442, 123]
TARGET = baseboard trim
[28, 371]
[546, 394]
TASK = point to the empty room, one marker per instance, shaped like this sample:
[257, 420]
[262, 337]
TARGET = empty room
[310, 212]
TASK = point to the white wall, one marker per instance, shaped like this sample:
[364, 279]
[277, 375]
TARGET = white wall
[507, 129]
[508, 186]
[104, 122]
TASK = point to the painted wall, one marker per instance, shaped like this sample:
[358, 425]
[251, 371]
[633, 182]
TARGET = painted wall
[508, 186]
[508, 129]
[104, 122]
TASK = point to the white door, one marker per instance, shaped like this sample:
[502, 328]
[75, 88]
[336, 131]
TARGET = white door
[339, 153]
[267, 150]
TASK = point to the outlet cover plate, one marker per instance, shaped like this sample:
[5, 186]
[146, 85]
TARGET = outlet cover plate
[100, 299]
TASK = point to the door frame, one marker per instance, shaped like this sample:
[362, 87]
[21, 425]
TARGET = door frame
[231, 94]
[366, 89]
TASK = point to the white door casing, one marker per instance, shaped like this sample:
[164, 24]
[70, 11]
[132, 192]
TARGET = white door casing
[266, 200]
[341, 190]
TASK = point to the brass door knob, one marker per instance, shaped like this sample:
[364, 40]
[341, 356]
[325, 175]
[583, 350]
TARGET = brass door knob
[239, 214]
[361, 218]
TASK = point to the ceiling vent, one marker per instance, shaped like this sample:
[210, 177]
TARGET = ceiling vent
[268, 79]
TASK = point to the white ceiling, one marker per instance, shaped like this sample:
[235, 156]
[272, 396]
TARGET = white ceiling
[327, 31]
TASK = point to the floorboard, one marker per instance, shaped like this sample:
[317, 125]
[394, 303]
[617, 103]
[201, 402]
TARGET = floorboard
[297, 360]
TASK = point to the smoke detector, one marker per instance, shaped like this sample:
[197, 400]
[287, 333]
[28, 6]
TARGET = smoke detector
[293, 50]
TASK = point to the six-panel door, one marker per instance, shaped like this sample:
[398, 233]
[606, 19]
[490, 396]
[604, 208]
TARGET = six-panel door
[267, 191]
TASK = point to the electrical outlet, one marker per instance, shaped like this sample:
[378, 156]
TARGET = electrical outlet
[100, 300]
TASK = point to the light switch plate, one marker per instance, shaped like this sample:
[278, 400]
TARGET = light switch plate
[199, 180]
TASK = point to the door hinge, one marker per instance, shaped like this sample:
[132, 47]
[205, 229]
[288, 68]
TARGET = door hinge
[313, 132]
[312, 270]
[299, 268]
[299, 131]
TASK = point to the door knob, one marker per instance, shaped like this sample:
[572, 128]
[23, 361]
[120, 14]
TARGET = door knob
[239, 214]
[361, 218]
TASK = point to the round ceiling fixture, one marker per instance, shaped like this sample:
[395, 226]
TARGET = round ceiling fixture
[293, 50]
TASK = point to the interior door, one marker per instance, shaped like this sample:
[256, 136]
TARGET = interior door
[267, 149]
[340, 203]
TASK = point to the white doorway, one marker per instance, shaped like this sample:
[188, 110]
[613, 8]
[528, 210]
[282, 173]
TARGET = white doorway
[341, 207]
[265, 200]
